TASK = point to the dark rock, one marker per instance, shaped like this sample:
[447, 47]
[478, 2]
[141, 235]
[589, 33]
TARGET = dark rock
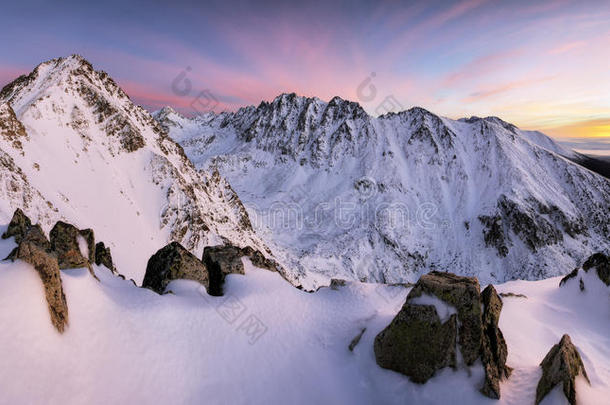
[336, 283]
[18, 226]
[173, 262]
[493, 350]
[89, 237]
[416, 343]
[569, 276]
[562, 364]
[103, 257]
[259, 260]
[35, 249]
[64, 241]
[464, 294]
[220, 261]
[356, 340]
[598, 261]
[601, 263]
[512, 295]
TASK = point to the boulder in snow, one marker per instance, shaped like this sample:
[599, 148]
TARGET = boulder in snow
[417, 343]
[64, 241]
[493, 350]
[35, 249]
[103, 257]
[463, 293]
[18, 227]
[562, 364]
[444, 312]
[220, 261]
[173, 262]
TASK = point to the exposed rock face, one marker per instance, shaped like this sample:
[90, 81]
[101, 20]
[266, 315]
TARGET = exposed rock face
[259, 260]
[64, 241]
[173, 262]
[35, 249]
[103, 256]
[464, 294]
[11, 128]
[18, 226]
[562, 364]
[418, 343]
[494, 350]
[220, 261]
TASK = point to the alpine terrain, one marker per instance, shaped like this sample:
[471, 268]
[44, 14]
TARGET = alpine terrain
[297, 252]
[386, 199]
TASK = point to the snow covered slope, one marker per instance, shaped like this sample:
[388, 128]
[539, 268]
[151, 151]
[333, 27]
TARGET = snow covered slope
[265, 342]
[74, 147]
[388, 198]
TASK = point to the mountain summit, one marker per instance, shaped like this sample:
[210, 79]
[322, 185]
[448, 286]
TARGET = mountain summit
[74, 147]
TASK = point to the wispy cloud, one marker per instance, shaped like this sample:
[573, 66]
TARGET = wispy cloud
[563, 48]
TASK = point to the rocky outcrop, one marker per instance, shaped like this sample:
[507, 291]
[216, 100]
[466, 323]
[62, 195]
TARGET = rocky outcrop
[418, 342]
[11, 129]
[173, 262]
[18, 226]
[399, 346]
[220, 261]
[64, 241]
[34, 248]
[103, 257]
[226, 259]
[463, 293]
[493, 350]
[562, 364]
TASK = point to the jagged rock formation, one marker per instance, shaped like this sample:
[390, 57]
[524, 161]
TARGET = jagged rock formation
[72, 144]
[11, 129]
[418, 342]
[220, 261]
[400, 346]
[18, 227]
[34, 248]
[103, 256]
[64, 241]
[494, 350]
[362, 198]
[173, 262]
[562, 364]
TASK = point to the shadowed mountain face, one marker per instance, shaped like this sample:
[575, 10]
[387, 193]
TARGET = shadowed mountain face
[388, 198]
[597, 164]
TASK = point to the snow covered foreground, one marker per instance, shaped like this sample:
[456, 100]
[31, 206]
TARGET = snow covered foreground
[265, 342]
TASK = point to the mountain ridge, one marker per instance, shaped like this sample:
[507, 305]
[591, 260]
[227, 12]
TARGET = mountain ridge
[492, 186]
[78, 149]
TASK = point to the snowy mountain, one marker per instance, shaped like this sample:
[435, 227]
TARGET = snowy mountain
[345, 194]
[74, 147]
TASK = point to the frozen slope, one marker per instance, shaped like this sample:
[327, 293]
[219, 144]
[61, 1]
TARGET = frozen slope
[129, 345]
[386, 199]
[73, 146]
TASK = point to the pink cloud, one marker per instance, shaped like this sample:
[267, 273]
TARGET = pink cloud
[485, 93]
[563, 48]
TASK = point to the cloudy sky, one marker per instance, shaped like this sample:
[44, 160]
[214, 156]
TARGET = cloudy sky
[541, 65]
